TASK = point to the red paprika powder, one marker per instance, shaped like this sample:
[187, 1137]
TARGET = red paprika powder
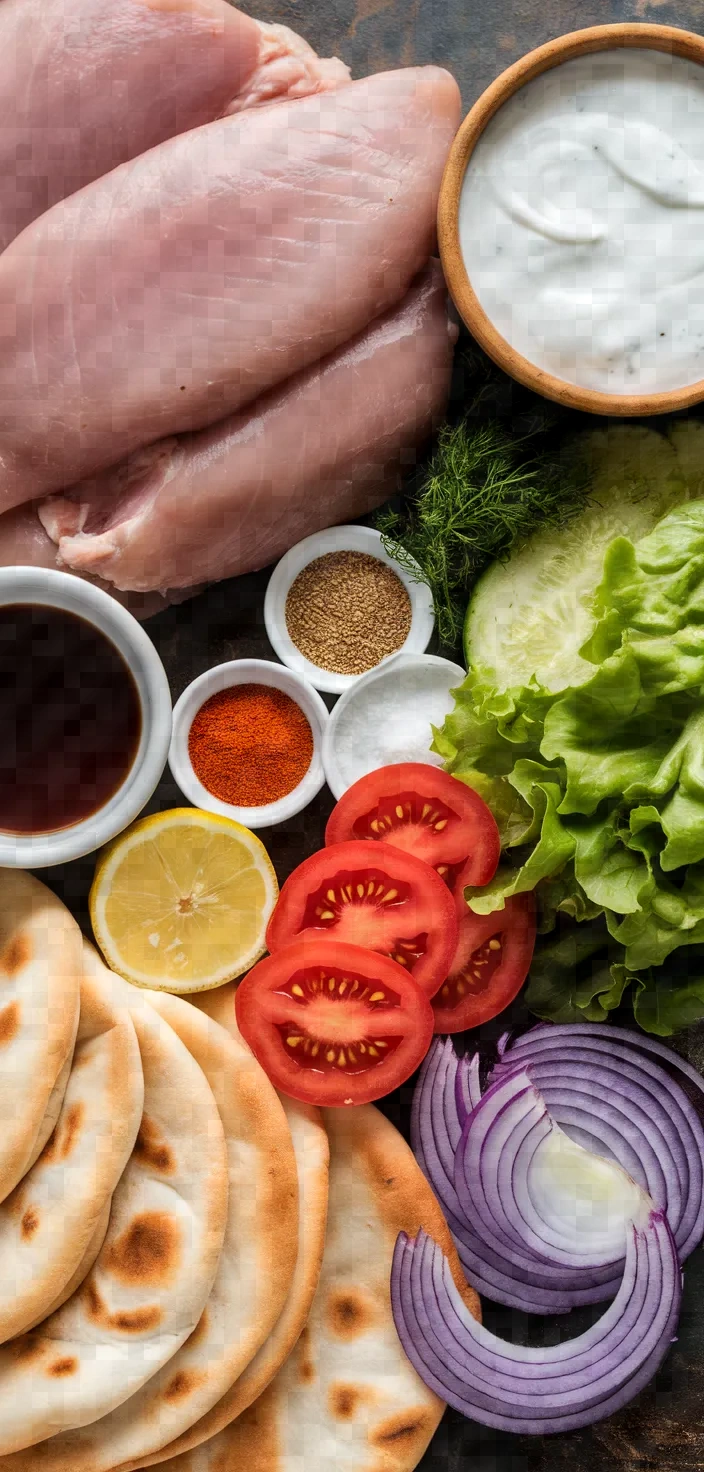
[250, 745]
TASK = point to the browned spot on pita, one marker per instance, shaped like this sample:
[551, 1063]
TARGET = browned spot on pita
[9, 1022]
[26, 1348]
[404, 1428]
[344, 1400]
[147, 1252]
[63, 1138]
[30, 1223]
[306, 1368]
[136, 1321]
[96, 1307]
[17, 953]
[67, 1366]
[152, 1150]
[183, 1383]
[349, 1313]
[69, 1128]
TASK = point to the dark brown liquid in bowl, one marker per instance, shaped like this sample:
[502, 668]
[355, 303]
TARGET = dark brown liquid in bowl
[70, 719]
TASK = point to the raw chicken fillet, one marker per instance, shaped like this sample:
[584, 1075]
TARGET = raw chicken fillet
[218, 334]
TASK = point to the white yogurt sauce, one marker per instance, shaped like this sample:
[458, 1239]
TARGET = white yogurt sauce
[582, 221]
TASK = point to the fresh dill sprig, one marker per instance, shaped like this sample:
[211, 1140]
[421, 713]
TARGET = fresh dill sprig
[483, 495]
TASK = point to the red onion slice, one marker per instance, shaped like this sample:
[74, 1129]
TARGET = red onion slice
[435, 1133]
[560, 1388]
[608, 1092]
[656, 1135]
[505, 1139]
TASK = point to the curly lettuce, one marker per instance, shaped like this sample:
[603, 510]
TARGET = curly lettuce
[598, 790]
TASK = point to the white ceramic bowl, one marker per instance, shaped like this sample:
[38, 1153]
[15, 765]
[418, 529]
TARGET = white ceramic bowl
[414, 678]
[223, 677]
[338, 539]
[62, 590]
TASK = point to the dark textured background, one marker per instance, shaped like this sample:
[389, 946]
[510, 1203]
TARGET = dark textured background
[475, 39]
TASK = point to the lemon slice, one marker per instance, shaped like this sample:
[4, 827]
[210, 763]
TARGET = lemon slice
[180, 901]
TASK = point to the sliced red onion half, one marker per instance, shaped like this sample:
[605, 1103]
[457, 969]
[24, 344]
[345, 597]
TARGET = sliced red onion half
[559, 1388]
[551, 1207]
[536, 1285]
[508, 1193]
[603, 1088]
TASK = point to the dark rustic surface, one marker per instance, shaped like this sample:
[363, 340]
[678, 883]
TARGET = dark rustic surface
[475, 39]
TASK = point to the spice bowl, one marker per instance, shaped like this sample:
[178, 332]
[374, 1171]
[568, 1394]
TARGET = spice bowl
[343, 539]
[386, 717]
[226, 677]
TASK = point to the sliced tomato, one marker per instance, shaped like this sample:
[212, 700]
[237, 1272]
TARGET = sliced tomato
[426, 812]
[491, 963]
[333, 1024]
[372, 895]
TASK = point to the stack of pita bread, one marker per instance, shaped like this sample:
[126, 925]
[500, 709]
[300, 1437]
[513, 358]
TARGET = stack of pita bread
[195, 1272]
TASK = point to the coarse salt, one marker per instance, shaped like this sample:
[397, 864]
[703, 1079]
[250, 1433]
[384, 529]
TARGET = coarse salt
[387, 716]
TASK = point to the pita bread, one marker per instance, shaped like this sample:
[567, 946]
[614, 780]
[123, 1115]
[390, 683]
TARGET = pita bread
[347, 1398]
[40, 978]
[83, 1268]
[48, 1221]
[254, 1272]
[53, 1108]
[310, 1143]
[152, 1277]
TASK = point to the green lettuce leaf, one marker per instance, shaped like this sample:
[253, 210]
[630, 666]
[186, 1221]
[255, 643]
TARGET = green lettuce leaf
[599, 790]
[541, 791]
[573, 976]
[560, 894]
[652, 600]
[612, 875]
[667, 1000]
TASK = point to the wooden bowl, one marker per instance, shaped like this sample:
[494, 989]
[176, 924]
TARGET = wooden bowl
[577, 43]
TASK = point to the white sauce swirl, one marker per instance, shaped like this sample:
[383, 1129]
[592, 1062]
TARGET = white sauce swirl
[582, 221]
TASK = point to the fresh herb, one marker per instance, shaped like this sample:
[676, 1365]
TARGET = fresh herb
[482, 495]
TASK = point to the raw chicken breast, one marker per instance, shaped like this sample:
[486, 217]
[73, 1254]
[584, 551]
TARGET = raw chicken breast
[87, 84]
[325, 447]
[176, 289]
[287, 67]
[24, 543]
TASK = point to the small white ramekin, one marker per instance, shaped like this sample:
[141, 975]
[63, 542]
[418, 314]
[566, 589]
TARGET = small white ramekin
[38, 585]
[338, 539]
[413, 675]
[223, 677]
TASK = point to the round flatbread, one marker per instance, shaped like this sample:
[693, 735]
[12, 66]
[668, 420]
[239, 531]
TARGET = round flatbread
[40, 980]
[347, 1398]
[153, 1275]
[310, 1143]
[312, 1154]
[48, 1222]
[254, 1273]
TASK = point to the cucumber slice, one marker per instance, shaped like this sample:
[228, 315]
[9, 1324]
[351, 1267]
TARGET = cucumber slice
[531, 615]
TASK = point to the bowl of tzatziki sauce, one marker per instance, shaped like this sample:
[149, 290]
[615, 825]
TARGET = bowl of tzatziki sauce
[571, 219]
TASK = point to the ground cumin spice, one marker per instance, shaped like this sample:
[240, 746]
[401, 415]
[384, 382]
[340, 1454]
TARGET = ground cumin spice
[346, 611]
[250, 745]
